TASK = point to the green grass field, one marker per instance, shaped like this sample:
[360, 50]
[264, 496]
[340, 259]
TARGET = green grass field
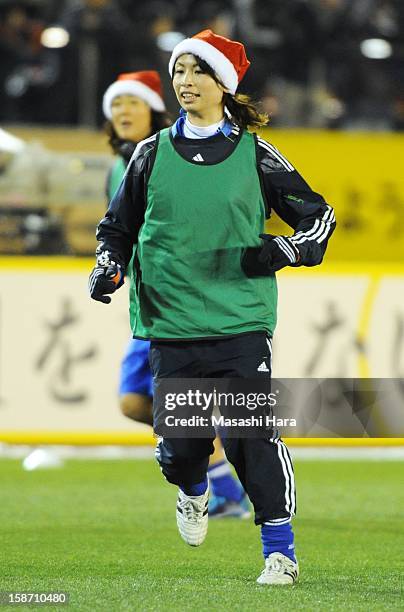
[105, 532]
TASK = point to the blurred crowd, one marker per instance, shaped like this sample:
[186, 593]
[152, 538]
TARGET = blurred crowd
[315, 63]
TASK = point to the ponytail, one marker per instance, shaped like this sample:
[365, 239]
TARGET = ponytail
[244, 112]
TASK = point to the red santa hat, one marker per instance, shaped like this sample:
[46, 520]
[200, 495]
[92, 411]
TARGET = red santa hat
[145, 84]
[227, 57]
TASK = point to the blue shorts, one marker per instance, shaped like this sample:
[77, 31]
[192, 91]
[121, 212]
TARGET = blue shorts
[136, 376]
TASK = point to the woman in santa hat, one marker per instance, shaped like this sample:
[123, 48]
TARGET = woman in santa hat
[194, 202]
[134, 108]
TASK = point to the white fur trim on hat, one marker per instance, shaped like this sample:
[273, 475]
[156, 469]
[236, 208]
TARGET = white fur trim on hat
[131, 88]
[212, 56]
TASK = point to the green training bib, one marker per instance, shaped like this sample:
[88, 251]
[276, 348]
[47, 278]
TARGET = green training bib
[187, 267]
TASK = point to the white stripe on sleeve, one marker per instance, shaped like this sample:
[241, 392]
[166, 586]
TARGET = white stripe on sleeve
[286, 248]
[320, 229]
[274, 151]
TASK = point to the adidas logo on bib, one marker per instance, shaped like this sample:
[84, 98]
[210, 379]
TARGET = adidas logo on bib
[263, 367]
[198, 157]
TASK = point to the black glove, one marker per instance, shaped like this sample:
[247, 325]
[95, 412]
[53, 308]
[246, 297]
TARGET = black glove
[275, 253]
[106, 277]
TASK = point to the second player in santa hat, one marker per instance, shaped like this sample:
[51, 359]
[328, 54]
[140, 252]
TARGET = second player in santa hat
[145, 84]
[134, 108]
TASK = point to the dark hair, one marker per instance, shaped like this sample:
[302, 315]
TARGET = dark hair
[244, 112]
[158, 122]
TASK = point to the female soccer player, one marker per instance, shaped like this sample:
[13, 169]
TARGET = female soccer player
[134, 108]
[194, 201]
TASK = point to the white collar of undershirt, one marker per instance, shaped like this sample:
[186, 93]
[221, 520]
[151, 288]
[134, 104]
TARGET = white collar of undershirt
[196, 131]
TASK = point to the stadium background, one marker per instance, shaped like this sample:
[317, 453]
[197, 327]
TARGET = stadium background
[330, 74]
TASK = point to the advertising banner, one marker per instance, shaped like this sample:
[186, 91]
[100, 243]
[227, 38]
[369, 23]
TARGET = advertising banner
[60, 351]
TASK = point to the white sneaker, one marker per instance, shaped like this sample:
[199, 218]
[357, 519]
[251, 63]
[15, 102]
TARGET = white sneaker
[192, 517]
[279, 570]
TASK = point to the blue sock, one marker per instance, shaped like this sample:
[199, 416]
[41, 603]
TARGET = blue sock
[196, 489]
[223, 483]
[278, 538]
